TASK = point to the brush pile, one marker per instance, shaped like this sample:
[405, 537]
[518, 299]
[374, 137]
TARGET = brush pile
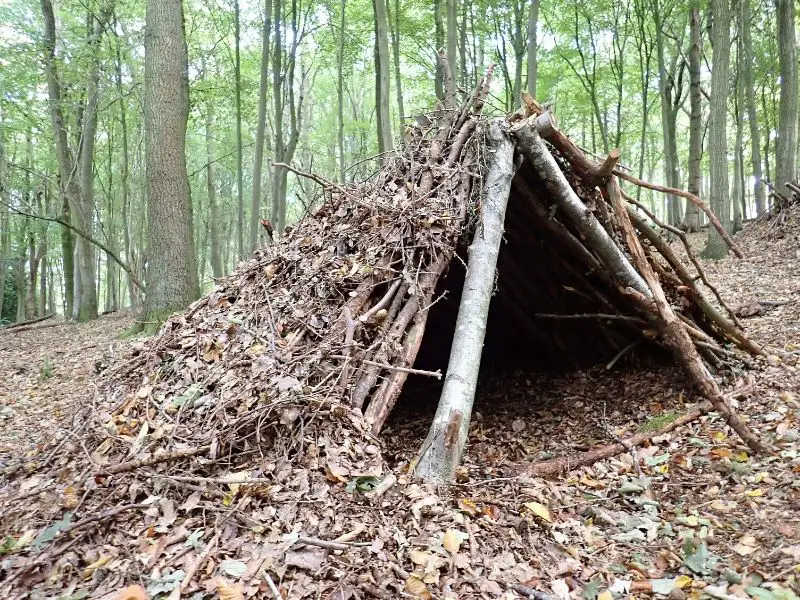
[231, 445]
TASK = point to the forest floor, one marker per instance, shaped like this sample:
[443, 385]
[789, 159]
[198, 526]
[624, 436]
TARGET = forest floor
[693, 514]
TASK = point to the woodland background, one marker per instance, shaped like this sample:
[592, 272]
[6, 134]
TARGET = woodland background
[699, 96]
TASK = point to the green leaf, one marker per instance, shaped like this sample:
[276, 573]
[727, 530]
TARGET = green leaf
[50, 532]
[234, 568]
[697, 557]
[166, 583]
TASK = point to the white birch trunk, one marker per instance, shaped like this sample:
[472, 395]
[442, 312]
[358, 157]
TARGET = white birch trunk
[533, 148]
[441, 453]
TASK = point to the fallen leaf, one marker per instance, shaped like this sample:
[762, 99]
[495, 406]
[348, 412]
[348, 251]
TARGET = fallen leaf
[132, 592]
[228, 591]
[100, 562]
[452, 540]
[539, 510]
[416, 587]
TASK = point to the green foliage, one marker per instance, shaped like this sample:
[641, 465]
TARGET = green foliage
[659, 422]
[46, 370]
[597, 64]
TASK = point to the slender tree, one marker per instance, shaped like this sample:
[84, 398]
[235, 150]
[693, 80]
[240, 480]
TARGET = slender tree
[786, 144]
[382, 77]
[691, 218]
[717, 127]
[239, 157]
[172, 270]
[533, 46]
[452, 37]
[261, 127]
[750, 99]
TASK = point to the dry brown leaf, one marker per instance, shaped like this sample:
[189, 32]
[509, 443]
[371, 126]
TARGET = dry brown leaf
[416, 587]
[451, 541]
[132, 592]
[228, 591]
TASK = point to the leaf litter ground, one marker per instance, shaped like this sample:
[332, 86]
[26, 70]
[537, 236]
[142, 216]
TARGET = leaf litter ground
[698, 517]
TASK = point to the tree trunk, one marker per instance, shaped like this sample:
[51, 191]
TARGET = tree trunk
[438, 42]
[533, 47]
[66, 164]
[279, 174]
[717, 133]
[750, 96]
[442, 451]
[239, 166]
[398, 78]
[786, 144]
[382, 94]
[261, 129]
[211, 187]
[452, 38]
[67, 257]
[666, 88]
[5, 233]
[691, 219]
[133, 291]
[87, 308]
[172, 271]
[340, 91]
[738, 192]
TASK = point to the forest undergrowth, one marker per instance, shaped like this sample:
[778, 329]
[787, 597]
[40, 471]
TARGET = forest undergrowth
[692, 514]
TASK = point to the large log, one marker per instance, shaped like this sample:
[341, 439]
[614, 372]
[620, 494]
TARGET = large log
[533, 148]
[442, 450]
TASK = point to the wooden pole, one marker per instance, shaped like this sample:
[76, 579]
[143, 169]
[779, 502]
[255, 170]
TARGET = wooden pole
[442, 450]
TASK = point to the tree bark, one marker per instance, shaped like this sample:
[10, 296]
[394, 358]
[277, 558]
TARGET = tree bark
[786, 144]
[691, 218]
[533, 46]
[398, 78]
[717, 128]
[439, 41]
[261, 130]
[211, 189]
[172, 271]
[538, 155]
[239, 158]
[452, 38]
[67, 168]
[340, 90]
[749, 91]
[133, 294]
[447, 438]
[382, 93]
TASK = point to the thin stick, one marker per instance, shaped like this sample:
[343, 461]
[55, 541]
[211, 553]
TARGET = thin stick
[589, 316]
[437, 373]
[691, 198]
[276, 594]
[153, 460]
[190, 572]
[689, 252]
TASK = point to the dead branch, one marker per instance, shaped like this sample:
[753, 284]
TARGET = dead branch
[673, 332]
[691, 198]
[153, 460]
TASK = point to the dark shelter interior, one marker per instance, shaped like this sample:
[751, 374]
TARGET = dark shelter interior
[549, 311]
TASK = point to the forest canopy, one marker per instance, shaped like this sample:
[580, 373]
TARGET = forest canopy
[330, 88]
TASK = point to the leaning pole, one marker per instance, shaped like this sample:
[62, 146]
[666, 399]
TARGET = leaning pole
[442, 450]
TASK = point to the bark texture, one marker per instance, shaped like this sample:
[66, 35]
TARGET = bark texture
[172, 270]
[447, 438]
[786, 144]
[717, 132]
[536, 152]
